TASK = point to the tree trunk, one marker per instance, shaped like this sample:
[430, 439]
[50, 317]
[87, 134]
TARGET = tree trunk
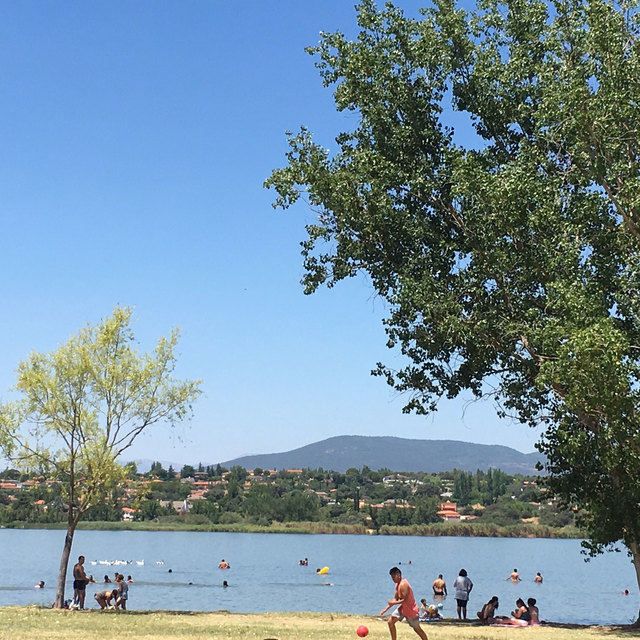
[64, 564]
[635, 557]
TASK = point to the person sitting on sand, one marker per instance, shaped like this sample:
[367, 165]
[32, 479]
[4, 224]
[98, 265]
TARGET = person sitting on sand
[428, 612]
[520, 616]
[521, 612]
[40, 585]
[538, 579]
[104, 598]
[534, 613]
[488, 613]
[224, 564]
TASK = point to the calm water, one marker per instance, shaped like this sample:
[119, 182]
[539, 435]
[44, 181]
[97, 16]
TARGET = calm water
[265, 575]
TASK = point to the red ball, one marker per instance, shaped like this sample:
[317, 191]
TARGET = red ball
[362, 631]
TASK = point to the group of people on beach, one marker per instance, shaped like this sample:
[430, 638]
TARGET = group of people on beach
[115, 598]
[404, 607]
[522, 616]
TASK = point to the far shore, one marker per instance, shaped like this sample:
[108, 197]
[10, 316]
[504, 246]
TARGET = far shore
[26, 623]
[430, 530]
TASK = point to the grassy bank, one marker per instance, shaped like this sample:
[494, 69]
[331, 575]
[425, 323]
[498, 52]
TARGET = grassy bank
[147, 525]
[30, 623]
[484, 530]
[441, 529]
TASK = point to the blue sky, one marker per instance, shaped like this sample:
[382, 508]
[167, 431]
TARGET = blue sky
[135, 140]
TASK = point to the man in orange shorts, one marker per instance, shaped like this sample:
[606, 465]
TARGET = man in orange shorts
[405, 605]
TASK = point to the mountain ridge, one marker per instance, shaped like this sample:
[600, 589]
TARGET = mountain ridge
[340, 453]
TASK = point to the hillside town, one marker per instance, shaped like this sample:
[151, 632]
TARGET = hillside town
[216, 495]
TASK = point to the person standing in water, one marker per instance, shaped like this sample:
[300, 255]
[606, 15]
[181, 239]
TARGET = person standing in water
[515, 576]
[405, 606]
[538, 579]
[439, 587]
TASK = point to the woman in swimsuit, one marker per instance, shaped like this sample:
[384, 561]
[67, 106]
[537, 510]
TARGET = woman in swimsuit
[488, 612]
[521, 612]
[534, 614]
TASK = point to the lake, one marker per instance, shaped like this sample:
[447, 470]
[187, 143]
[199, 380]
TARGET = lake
[265, 575]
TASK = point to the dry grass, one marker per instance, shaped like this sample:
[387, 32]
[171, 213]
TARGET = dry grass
[32, 623]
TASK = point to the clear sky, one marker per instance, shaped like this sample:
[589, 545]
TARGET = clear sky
[135, 140]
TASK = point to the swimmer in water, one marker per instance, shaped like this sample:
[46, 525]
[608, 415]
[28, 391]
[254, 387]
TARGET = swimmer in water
[538, 579]
[224, 564]
[225, 584]
[40, 585]
[515, 576]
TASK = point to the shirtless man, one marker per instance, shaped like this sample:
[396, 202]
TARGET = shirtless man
[538, 579]
[104, 598]
[439, 587]
[224, 564]
[405, 606]
[515, 576]
[80, 581]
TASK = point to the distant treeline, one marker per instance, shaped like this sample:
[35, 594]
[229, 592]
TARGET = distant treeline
[490, 502]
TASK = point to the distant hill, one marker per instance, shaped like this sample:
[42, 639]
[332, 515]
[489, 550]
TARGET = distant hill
[399, 454]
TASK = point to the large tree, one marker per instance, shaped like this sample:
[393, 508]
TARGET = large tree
[490, 188]
[84, 405]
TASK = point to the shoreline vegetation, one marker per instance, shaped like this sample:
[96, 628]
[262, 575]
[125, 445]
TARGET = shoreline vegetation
[26, 623]
[454, 529]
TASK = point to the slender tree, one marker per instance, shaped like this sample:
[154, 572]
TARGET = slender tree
[85, 404]
[506, 239]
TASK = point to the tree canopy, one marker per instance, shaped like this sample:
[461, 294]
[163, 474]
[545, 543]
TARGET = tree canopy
[505, 239]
